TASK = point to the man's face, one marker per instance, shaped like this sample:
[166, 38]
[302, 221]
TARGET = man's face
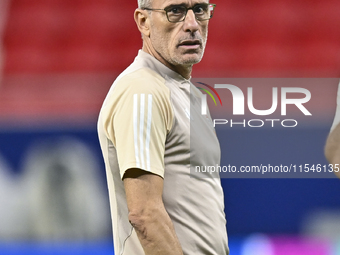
[180, 43]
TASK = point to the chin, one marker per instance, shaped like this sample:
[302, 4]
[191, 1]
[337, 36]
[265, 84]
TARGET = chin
[190, 63]
[191, 60]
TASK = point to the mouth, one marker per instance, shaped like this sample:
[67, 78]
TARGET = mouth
[190, 44]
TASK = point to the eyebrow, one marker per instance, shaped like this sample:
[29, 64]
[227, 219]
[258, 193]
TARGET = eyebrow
[184, 4]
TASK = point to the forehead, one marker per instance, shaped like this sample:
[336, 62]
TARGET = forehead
[164, 3]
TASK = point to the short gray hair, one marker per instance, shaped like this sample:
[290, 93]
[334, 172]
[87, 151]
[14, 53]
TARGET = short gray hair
[144, 3]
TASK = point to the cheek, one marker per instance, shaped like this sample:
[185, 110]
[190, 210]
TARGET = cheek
[174, 38]
[204, 31]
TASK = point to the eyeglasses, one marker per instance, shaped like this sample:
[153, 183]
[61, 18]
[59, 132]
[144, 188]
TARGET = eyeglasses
[177, 13]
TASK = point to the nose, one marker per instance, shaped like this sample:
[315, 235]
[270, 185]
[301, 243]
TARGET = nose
[190, 22]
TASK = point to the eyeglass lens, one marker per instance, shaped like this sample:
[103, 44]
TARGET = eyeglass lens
[177, 13]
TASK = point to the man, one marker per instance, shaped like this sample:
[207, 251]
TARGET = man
[150, 138]
[332, 148]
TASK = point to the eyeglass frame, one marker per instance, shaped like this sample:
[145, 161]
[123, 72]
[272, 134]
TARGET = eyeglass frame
[186, 12]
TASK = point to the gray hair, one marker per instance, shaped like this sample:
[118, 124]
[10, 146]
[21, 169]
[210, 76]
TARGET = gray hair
[144, 3]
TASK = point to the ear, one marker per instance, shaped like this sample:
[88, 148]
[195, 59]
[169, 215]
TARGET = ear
[143, 22]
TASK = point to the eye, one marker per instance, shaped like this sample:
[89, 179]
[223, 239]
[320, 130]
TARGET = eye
[176, 10]
[200, 9]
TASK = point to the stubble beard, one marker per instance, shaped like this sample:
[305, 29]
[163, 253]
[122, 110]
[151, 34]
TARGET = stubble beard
[177, 58]
[182, 58]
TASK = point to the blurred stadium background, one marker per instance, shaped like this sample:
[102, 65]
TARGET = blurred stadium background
[58, 59]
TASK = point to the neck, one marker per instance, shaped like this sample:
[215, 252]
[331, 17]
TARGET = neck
[183, 70]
